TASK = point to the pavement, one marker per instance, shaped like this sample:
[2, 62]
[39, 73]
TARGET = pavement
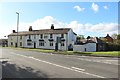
[31, 64]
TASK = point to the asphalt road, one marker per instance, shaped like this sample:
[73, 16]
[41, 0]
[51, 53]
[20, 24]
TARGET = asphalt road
[31, 64]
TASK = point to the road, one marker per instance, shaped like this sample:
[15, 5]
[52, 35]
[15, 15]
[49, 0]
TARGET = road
[30, 64]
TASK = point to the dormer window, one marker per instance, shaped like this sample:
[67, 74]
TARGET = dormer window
[51, 36]
[62, 35]
[29, 36]
[41, 36]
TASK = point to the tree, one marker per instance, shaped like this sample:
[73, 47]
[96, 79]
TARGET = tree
[116, 43]
[88, 37]
[118, 36]
[80, 37]
[114, 36]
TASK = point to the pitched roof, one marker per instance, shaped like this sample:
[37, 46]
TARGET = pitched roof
[94, 40]
[42, 31]
[108, 36]
[3, 40]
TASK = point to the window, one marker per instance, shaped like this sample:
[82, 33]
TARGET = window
[20, 43]
[51, 43]
[51, 36]
[20, 37]
[62, 35]
[41, 43]
[11, 43]
[41, 36]
[29, 43]
[62, 43]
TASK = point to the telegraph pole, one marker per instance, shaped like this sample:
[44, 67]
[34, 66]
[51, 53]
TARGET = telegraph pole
[17, 26]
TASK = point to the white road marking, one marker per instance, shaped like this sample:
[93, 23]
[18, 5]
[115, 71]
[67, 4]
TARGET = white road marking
[91, 57]
[100, 61]
[80, 59]
[76, 70]
[19, 54]
[83, 56]
[112, 60]
[107, 62]
[96, 57]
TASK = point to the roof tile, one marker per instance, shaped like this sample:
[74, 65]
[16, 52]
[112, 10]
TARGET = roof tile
[42, 31]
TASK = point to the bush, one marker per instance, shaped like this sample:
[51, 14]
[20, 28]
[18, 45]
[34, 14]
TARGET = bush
[112, 47]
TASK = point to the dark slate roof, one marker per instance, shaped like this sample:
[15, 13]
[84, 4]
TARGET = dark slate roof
[3, 40]
[74, 33]
[42, 31]
[92, 40]
[108, 36]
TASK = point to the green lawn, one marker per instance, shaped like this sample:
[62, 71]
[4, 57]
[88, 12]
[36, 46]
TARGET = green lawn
[33, 49]
[112, 53]
[104, 53]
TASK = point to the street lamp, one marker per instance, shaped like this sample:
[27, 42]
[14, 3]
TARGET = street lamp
[17, 27]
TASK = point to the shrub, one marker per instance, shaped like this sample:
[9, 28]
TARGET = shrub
[112, 47]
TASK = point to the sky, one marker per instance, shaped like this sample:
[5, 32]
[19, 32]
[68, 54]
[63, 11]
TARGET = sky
[96, 19]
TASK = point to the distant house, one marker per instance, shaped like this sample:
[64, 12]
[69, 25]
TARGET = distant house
[108, 38]
[3, 42]
[58, 39]
[100, 45]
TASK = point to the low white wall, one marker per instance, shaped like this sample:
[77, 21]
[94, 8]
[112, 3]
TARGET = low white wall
[89, 47]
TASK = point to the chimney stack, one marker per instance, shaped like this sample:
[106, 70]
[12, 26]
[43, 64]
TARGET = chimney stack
[30, 28]
[52, 26]
[107, 35]
[13, 31]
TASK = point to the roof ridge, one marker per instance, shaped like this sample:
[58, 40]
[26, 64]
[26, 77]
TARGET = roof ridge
[43, 31]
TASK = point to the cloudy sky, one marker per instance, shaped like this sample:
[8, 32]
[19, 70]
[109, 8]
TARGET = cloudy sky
[85, 18]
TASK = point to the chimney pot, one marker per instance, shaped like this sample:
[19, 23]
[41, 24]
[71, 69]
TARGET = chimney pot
[13, 31]
[30, 28]
[52, 26]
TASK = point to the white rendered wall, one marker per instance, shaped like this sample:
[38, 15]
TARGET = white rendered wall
[90, 47]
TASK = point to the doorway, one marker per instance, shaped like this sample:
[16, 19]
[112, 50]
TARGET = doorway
[56, 46]
[16, 45]
[34, 44]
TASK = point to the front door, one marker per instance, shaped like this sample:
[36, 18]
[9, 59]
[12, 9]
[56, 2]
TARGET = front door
[34, 45]
[56, 46]
[15, 44]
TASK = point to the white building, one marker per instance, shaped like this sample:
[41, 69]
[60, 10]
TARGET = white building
[88, 47]
[52, 38]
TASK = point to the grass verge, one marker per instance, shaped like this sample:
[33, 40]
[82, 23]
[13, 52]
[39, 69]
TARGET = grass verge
[102, 53]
